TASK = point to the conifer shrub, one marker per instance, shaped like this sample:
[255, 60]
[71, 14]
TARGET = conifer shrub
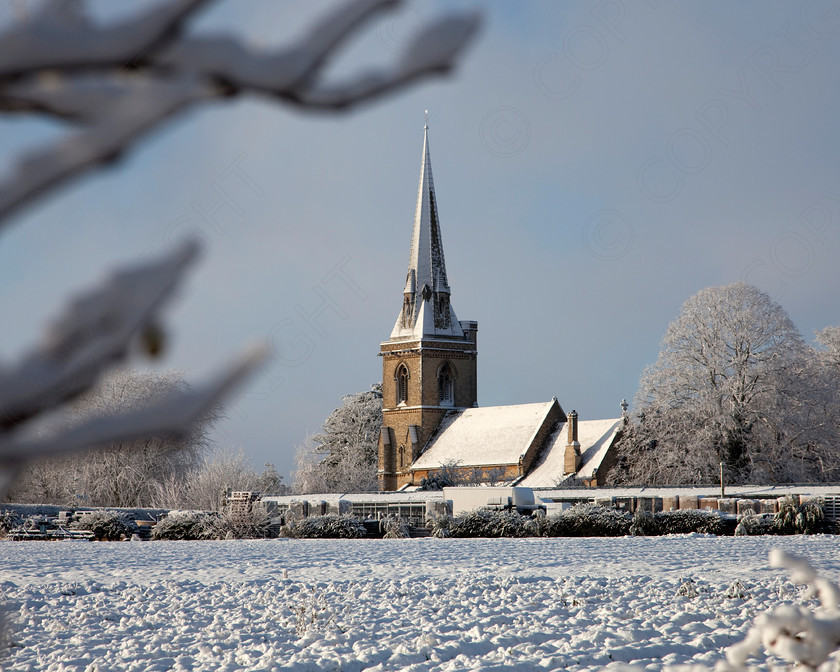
[106, 525]
[9, 520]
[785, 517]
[810, 517]
[325, 527]
[805, 518]
[186, 526]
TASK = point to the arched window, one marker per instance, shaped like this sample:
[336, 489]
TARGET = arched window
[402, 384]
[446, 387]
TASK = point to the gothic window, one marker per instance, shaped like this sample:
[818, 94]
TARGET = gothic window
[402, 384]
[446, 387]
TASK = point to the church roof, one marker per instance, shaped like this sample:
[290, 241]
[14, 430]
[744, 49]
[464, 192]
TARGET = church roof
[595, 438]
[426, 281]
[488, 436]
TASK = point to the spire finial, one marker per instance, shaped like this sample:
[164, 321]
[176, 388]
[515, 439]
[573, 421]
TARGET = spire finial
[426, 121]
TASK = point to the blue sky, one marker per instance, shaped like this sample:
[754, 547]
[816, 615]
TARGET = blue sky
[596, 164]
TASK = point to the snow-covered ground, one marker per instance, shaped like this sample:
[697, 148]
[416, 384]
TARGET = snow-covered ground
[413, 604]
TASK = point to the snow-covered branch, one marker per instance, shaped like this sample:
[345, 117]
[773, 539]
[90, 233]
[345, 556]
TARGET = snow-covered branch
[123, 80]
[802, 637]
[60, 37]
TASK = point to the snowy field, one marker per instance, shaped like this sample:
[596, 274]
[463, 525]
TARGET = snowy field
[413, 604]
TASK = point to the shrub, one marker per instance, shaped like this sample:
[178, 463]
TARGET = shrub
[810, 517]
[588, 520]
[749, 524]
[106, 525]
[255, 524]
[9, 520]
[785, 518]
[392, 527]
[805, 518]
[440, 526]
[489, 523]
[325, 527]
[644, 524]
[186, 526]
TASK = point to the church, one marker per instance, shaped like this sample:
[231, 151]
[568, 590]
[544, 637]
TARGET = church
[431, 420]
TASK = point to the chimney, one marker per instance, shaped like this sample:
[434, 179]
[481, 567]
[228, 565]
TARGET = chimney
[571, 461]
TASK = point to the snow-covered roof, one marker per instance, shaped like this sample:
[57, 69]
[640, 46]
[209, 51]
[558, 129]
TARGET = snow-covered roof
[426, 275]
[595, 438]
[488, 436]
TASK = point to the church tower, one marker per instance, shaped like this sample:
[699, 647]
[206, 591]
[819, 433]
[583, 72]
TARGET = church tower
[429, 362]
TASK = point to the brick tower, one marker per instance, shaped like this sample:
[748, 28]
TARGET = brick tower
[429, 362]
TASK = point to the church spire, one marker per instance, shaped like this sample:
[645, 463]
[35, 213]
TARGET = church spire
[426, 311]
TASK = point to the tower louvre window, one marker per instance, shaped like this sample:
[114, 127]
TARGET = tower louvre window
[446, 386]
[442, 311]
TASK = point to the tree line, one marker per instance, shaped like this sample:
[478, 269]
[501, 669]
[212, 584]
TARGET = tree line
[734, 383]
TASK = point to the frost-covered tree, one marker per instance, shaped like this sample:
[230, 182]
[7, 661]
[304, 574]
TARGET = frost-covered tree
[124, 473]
[734, 383]
[342, 456]
[106, 86]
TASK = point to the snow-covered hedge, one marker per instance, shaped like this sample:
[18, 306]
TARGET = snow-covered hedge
[686, 521]
[325, 527]
[583, 520]
[588, 520]
[106, 525]
[486, 523]
[186, 526]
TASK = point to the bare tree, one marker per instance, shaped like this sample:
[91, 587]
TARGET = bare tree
[204, 487]
[342, 457]
[111, 85]
[733, 384]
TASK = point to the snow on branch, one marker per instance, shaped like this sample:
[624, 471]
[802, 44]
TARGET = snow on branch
[61, 37]
[96, 330]
[123, 80]
[144, 105]
[802, 637]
